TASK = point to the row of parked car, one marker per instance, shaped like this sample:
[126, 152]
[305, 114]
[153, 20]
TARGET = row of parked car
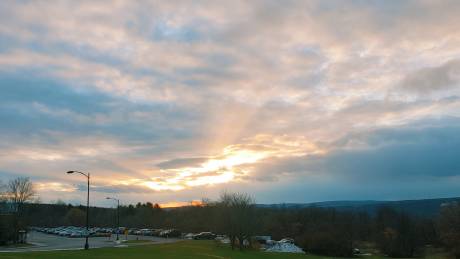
[155, 232]
[70, 231]
[201, 236]
[171, 233]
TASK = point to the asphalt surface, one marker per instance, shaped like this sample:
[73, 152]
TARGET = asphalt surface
[46, 242]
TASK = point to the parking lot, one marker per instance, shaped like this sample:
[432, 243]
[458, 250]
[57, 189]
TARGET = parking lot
[42, 241]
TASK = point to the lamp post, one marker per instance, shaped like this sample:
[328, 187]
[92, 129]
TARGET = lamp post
[87, 207]
[118, 213]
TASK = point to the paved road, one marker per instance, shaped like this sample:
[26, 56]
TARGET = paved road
[46, 242]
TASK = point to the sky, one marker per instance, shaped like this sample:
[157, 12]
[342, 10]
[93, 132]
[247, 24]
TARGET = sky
[288, 101]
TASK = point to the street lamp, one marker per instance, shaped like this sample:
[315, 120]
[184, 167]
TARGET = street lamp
[87, 207]
[118, 213]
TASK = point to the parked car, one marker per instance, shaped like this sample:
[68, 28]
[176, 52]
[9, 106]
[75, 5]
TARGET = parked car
[156, 232]
[78, 233]
[205, 236]
[131, 231]
[145, 232]
[170, 233]
[188, 236]
[287, 240]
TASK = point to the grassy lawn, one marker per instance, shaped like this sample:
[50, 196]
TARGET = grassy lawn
[140, 241]
[184, 249]
[19, 245]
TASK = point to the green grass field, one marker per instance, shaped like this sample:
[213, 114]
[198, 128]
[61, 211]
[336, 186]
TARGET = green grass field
[180, 250]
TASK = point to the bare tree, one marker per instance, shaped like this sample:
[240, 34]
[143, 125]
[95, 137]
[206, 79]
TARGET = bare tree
[237, 217]
[20, 191]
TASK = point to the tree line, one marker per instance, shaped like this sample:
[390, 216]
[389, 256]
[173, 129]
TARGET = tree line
[324, 231]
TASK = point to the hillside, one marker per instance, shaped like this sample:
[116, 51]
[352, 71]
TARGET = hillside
[422, 207]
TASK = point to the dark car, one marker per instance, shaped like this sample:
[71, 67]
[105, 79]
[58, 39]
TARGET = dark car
[205, 236]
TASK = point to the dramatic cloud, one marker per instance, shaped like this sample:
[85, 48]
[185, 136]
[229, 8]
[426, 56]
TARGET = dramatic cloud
[431, 79]
[174, 101]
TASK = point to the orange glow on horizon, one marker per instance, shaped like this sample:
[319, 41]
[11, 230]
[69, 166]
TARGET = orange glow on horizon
[176, 204]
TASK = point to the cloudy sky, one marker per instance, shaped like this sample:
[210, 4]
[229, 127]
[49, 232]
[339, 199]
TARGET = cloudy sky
[173, 101]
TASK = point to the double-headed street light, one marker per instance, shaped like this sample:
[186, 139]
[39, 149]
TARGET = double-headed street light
[87, 207]
[118, 213]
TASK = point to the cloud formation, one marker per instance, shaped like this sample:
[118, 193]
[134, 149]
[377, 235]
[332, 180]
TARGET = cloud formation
[171, 102]
[426, 80]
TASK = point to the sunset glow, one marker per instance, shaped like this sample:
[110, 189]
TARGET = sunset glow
[213, 171]
[180, 204]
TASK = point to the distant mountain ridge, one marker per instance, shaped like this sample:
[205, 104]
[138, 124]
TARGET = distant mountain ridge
[422, 207]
